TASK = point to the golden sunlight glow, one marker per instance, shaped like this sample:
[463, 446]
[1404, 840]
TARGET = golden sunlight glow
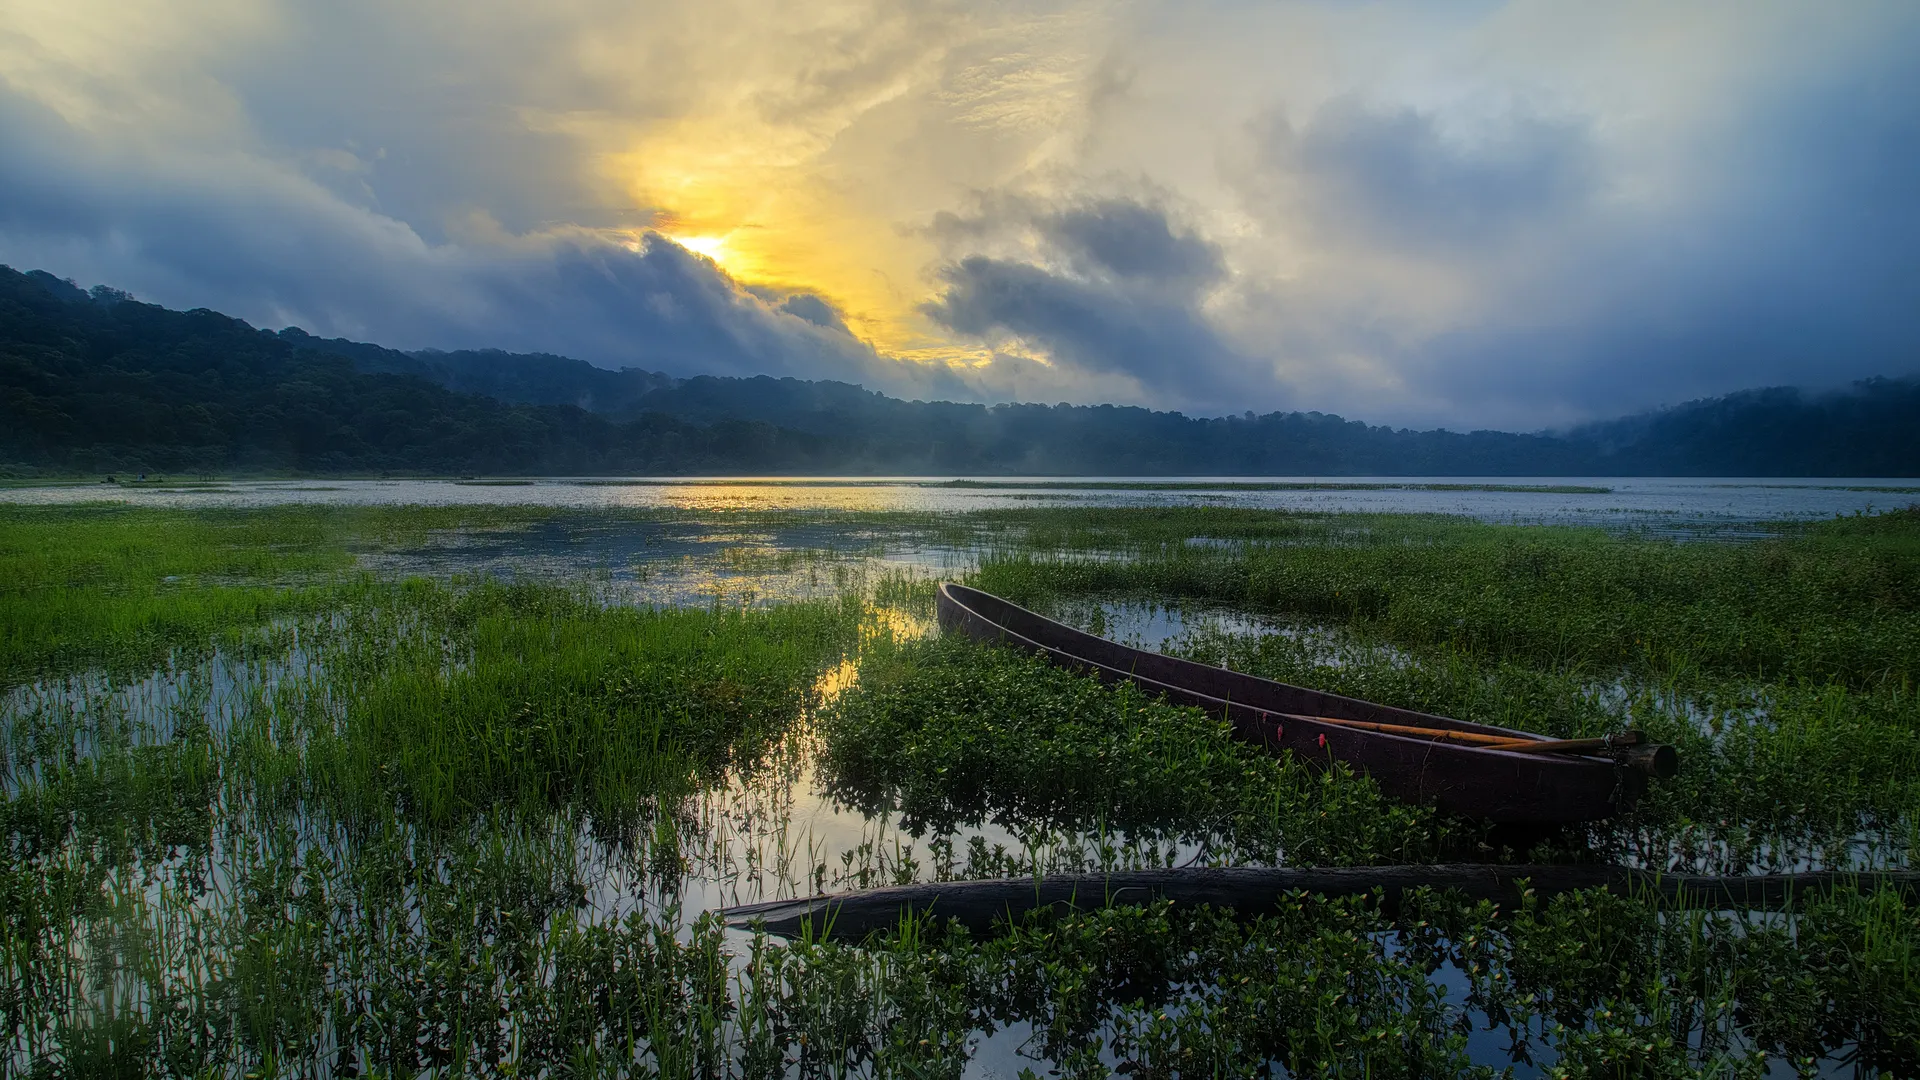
[767, 221]
[830, 194]
[713, 247]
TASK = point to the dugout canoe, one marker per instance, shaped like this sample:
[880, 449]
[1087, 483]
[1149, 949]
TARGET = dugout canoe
[1499, 786]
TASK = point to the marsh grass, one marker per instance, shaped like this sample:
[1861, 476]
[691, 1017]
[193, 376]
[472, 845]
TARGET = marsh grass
[946, 734]
[117, 588]
[1783, 669]
[550, 699]
[370, 861]
[1282, 485]
[1835, 601]
[1776, 776]
[360, 826]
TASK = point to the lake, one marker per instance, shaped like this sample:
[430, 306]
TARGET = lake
[1656, 503]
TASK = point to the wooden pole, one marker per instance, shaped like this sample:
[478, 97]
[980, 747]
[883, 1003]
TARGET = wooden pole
[1490, 742]
[1248, 891]
[1562, 746]
[1468, 738]
[1629, 747]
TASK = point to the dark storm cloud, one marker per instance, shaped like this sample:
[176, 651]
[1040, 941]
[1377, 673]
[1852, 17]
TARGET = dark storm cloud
[661, 305]
[1108, 287]
[1131, 240]
[815, 310]
[1099, 328]
[1394, 176]
[253, 240]
[803, 305]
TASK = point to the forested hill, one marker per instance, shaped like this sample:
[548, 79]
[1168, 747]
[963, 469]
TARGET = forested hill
[1872, 429]
[95, 381]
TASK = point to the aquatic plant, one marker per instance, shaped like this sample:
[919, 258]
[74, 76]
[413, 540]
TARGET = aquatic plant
[948, 733]
[282, 816]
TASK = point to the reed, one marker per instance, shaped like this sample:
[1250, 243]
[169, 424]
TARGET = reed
[948, 734]
[1837, 600]
[280, 816]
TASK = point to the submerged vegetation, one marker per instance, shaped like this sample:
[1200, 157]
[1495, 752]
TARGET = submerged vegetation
[271, 808]
[555, 700]
[1837, 600]
[1274, 485]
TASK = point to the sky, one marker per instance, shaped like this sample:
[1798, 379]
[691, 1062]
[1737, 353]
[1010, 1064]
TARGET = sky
[1480, 214]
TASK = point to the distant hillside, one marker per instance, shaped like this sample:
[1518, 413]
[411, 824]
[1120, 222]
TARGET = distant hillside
[1872, 429]
[94, 381]
[520, 378]
[873, 433]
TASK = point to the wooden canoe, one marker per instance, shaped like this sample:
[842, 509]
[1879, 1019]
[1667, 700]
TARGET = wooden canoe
[1471, 781]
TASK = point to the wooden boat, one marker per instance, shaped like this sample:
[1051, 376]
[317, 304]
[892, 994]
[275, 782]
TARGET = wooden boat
[1497, 785]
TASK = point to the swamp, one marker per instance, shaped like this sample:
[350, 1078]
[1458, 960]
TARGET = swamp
[331, 790]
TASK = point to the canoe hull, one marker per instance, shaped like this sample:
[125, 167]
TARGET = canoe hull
[1491, 785]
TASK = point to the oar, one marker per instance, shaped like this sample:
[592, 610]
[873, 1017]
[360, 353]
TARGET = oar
[1627, 748]
[1491, 742]
[1567, 746]
[1660, 761]
[1471, 738]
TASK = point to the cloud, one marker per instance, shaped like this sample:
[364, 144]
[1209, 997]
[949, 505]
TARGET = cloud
[276, 248]
[1128, 240]
[1526, 271]
[1094, 327]
[803, 305]
[1513, 213]
[1392, 177]
[1104, 289]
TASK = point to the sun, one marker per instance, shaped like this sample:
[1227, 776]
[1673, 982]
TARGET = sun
[713, 247]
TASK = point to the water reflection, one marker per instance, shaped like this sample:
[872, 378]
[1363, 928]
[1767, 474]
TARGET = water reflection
[674, 563]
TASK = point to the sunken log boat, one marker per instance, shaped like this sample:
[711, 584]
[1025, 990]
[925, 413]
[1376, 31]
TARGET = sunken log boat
[1254, 890]
[1478, 771]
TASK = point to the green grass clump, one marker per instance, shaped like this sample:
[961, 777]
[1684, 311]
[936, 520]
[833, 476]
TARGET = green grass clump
[108, 586]
[1839, 600]
[1772, 773]
[951, 733]
[1617, 986]
[1273, 485]
[1587, 984]
[118, 587]
[538, 697]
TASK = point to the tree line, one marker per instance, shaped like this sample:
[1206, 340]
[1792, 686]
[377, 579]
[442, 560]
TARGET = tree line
[94, 381]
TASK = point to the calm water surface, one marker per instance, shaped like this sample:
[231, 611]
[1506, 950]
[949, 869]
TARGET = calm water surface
[1653, 502]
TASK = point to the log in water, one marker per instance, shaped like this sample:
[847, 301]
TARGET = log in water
[1254, 890]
